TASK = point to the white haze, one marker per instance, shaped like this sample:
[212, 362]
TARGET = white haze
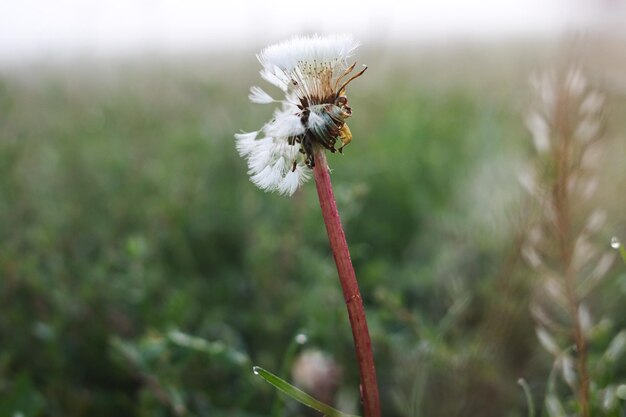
[41, 28]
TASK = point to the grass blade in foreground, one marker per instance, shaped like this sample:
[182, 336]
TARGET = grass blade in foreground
[529, 398]
[298, 394]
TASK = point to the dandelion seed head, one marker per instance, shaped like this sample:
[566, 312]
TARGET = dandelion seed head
[312, 73]
[308, 53]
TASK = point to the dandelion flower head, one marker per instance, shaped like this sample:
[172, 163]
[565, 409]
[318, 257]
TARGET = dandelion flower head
[312, 73]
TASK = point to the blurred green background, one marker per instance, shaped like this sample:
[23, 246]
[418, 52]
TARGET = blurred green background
[142, 274]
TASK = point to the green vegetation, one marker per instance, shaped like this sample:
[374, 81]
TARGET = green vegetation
[142, 274]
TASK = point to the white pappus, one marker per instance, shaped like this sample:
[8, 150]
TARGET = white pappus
[312, 73]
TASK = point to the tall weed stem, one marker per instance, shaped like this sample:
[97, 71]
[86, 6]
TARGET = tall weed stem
[347, 277]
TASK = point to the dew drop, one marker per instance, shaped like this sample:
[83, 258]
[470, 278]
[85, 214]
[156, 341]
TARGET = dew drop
[301, 338]
[615, 243]
[255, 370]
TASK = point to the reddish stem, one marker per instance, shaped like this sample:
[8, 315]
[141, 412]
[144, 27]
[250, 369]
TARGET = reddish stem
[352, 296]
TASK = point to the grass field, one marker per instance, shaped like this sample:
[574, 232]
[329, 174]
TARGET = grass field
[142, 274]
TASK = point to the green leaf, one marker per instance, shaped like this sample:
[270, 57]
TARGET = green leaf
[22, 399]
[298, 394]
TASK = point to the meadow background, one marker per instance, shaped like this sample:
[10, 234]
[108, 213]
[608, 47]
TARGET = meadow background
[142, 274]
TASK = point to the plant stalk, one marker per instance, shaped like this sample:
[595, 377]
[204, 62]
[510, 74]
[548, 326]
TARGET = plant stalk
[347, 277]
[563, 224]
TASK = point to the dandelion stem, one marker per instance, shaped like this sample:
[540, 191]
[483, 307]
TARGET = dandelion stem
[352, 296]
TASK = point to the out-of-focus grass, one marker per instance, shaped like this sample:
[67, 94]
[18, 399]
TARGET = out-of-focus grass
[126, 217]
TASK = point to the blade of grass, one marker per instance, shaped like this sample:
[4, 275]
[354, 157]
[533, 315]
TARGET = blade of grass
[287, 359]
[529, 398]
[622, 252]
[297, 394]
